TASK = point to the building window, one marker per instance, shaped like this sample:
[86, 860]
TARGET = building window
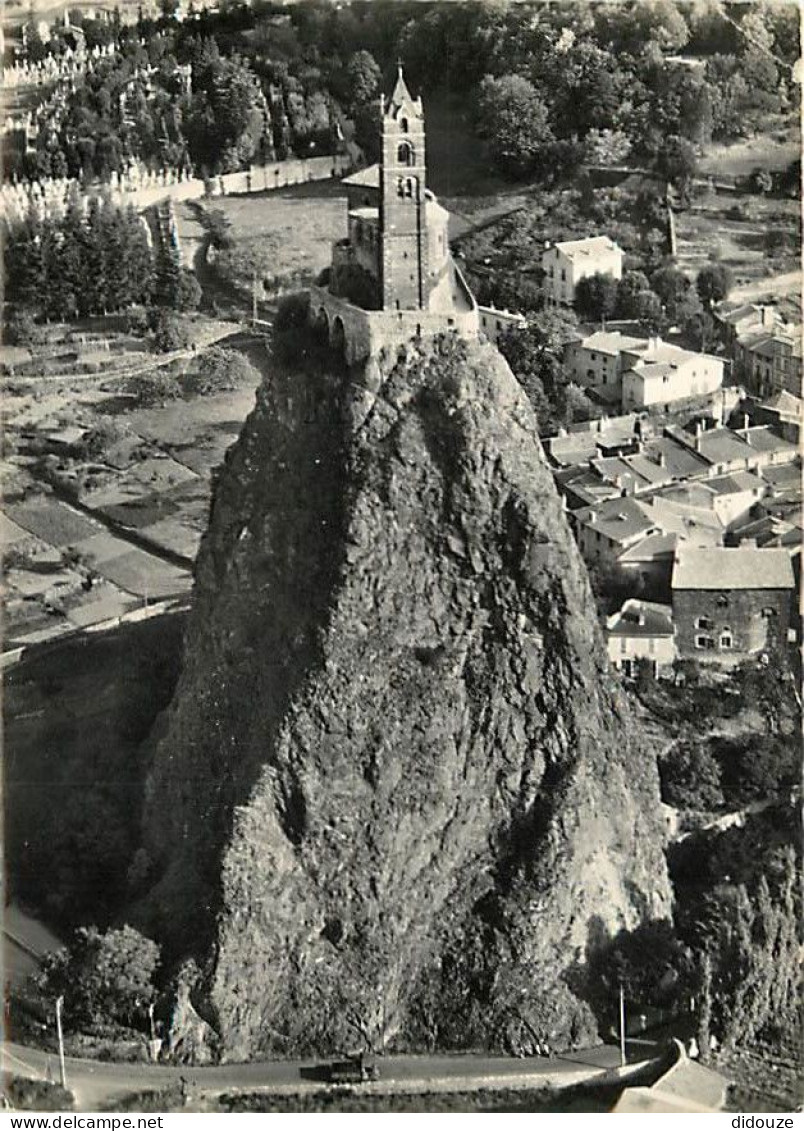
[403, 125]
[704, 642]
[726, 640]
[409, 187]
[400, 187]
[563, 275]
[723, 601]
[592, 356]
[704, 623]
[769, 612]
[405, 154]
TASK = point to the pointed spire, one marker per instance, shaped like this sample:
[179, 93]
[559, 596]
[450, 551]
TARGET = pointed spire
[401, 93]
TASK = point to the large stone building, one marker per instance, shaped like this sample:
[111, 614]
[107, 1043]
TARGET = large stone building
[393, 278]
[731, 603]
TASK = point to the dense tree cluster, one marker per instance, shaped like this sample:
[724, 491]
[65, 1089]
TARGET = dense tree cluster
[81, 263]
[534, 354]
[94, 259]
[552, 84]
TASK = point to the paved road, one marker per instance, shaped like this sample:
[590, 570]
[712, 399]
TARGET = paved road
[96, 1084]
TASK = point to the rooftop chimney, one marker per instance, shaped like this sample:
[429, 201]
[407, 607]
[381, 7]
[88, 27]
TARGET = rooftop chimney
[641, 616]
[662, 459]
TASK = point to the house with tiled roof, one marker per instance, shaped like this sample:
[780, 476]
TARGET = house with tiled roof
[731, 603]
[639, 373]
[604, 531]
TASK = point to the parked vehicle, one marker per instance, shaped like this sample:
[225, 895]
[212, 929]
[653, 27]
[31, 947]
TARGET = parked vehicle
[356, 1069]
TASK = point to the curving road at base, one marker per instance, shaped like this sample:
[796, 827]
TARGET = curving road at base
[97, 1084]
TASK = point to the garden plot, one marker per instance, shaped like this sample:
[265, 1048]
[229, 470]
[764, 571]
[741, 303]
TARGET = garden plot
[145, 477]
[11, 534]
[176, 534]
[104, 602]
[142, 511]
[145, 576]
[101, 548]
[53, 521]
[756, 237]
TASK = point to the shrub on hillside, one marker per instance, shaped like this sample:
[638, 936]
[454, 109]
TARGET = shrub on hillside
[690, 777]
[757, 767]
[36, 1095]
[168, 331]
[220, 369]
[21, 329]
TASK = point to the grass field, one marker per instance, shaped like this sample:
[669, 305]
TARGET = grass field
[773, 149]
[281, 236]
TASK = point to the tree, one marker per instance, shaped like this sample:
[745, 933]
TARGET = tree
[514, 118]
[596, 297]
[713, 283]
[690, 777]
[649, 311]
[757, 768]
[532, 355]
[630, 286]
[189, 291]
[169, 333]
[658, 21]
[677, 163]
[167, 274]
[103, 976]
[20, 327]
[221, 369]
[671, 285]
[607, 147]
[363, 77]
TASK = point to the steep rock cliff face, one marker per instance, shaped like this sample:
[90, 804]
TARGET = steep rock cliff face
[397, 792]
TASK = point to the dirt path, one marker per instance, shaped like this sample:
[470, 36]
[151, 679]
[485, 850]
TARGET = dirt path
[787, 284]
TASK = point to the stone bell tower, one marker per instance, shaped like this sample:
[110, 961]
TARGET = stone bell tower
[403, 235]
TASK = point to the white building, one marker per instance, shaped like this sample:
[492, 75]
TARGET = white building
[670, 374]
[566, 263]
[641, 630]
[494, 323]
[639, 373]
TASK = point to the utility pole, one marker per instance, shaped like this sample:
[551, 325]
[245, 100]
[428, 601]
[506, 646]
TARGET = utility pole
[622, 1025]
[254, 301]
[60, 1035]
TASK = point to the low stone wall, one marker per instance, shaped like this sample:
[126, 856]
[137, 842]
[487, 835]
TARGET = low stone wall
[363, 333]
[52, 195]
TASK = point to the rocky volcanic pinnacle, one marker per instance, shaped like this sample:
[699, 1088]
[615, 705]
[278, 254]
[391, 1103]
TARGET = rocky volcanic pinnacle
[397, 793]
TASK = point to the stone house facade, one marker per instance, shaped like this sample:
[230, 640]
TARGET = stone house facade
[731, 603]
